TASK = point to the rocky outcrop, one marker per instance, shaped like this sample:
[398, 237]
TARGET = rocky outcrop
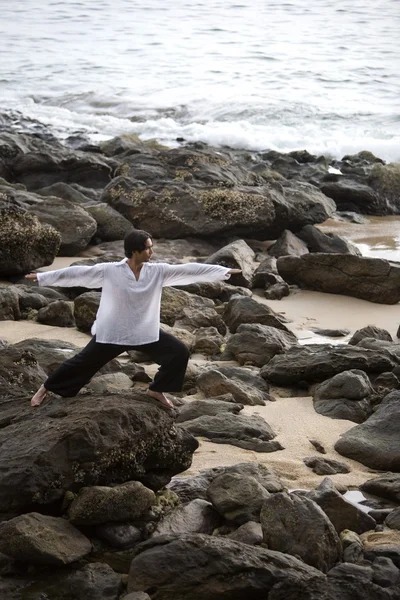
[370, 279]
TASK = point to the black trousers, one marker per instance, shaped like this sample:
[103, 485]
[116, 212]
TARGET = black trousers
[170, 353]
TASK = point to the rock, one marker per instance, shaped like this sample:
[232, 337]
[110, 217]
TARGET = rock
[95, 581]
[85, 310]
[327, 243]
[110, 383]
[335, 333]
[385, 573]
[372, 279]
[208, 341]
[288, 245]
[40, 539]
[237, 255]
[385, 486]
[351, 195]
[98, 441]
[319, 362]
[246, 386]
[254, 344]
[362, 573]
[215, 290]
[19, 373]
[370, 331]
[346, 395]
[182, 334]
[100, 504]
[181, 309]
[198, 408]
[318, 446]
[237, 498]
[325, 466]
[197, 516]
[219, 568]
[332, 588]
[58, 313]
[382, 543]
[111, 225]
[277, 290]
[343, 514]
[265, 273]
[25, 244]
[280, 518]
[9, 304]
[385, 180]
[251, 432]
[239, 311]
[119, 535]
[375, 442]
[248, 533]
[64, 191]
[393, 519]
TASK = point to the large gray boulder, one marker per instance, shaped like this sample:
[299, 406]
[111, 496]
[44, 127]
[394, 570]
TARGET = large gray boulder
[372, 279]
[255, 344]
[245, 385]
[375, 443]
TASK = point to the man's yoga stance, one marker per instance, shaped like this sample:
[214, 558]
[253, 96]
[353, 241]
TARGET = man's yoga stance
[128, 317]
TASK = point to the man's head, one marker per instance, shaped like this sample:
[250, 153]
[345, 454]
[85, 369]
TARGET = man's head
[137, 241]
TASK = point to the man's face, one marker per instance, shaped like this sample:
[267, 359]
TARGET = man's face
[147, 253]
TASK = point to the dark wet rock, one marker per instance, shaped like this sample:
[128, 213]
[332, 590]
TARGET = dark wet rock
[384, 543]
[255, 344]
[349, 194]
[343, 514]
[240, 310]
[215, 290]
[25, 243]
[347, 395]
[288, 245]
[196, 516]
[250, 432]
[316, 363]
[332, 588]
[335, 333]
[285, 535]
[362, 573]
[262, 212]
[86, 306]
[100, 504]
[386, 486]
[385, 383]
[265, 273]
[370, 331]
[58, 313]
[277, 290]
[237, 498]
[37, 163]
[98, 441]
[197, 408]
[372, 279]
[380, 514]
[317, 241]
[40, 539]
[375, 443]
[325, 466]
[220, 568]
[246, 386]
[111, 225]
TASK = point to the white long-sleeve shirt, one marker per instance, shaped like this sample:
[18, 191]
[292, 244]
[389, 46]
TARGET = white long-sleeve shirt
[129, 311]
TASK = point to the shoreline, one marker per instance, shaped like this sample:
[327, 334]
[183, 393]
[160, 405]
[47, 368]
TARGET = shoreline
[292, 418]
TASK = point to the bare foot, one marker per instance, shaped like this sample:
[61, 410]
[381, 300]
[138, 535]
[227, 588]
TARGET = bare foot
[39, 396]
[160, 397]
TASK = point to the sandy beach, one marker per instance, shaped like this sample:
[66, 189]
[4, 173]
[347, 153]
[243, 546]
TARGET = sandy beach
[293, 419]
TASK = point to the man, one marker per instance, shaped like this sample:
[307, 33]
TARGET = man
[128, 317]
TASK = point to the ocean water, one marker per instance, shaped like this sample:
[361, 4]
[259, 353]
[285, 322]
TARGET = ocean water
[255, 74]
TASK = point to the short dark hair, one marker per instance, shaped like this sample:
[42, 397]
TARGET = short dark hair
[135, 241]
